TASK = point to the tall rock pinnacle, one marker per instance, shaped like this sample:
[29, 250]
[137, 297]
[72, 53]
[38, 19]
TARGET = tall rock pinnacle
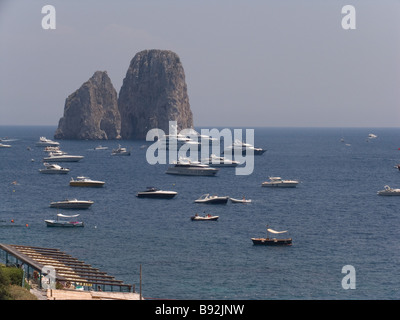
[153, 93]
[91, 112]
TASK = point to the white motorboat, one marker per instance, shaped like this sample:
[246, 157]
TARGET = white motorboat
[71, 204]
[44, 142]
[207, 217]
[85, 182]
[243, 148]
[100, 147]
[120, 151]
[280, 183]
[53, 169]
[5, 145]
[64, 223]
[206, 198]
[215, 161]
[233, 200]
[189, 168]
[388, 191]
[152, 192]
[62, 157]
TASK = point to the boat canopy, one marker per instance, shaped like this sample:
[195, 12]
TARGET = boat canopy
[65, 216]
[276, 232]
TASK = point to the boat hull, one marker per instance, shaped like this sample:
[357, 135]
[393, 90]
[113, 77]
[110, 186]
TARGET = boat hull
[280, 185]
[63, 159]
[66, 205]
[64, 224]
[192, 172]
[212, 218]
[156, 195]
[213, 201]
[272, 242]
[86, 184]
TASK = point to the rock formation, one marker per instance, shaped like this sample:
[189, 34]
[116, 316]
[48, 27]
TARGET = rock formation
[91, 112]
[153, 93]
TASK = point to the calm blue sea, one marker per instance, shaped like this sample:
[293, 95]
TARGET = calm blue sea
[334, 216]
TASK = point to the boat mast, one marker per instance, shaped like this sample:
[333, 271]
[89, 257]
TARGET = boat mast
[267, 232]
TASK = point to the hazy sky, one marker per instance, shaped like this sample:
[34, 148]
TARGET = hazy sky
[247, 63]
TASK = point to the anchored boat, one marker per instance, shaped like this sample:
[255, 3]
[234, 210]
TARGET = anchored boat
[207, 217]
[85, 182]
[64, 223]
[272, 241]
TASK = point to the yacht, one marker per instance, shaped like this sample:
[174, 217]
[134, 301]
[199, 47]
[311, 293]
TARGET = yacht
[388, 191]
[189, 168]
[85, 182]
[278, 182]
[52, 149]
[243, 148]
[5, 145]
[206, 198]
[53, 168]
[152, 192]
[62, 157]
[44, 142]
[215, 161]
[175, 142]
[71, 204]
[120, 152]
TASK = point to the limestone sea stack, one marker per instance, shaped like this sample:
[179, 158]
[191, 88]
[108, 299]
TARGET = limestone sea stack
[153, 93]
[91, 112]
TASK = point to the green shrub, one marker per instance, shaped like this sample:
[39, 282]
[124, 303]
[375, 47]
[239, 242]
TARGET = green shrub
[4, 286]
[13, 275]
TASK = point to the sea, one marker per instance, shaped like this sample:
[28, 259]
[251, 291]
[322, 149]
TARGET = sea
[334, 216]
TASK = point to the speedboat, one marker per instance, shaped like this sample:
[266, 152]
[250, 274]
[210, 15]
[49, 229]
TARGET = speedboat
[71, 204]
[280, 183]
[85, 182]
[244, 148]
[53, 168]
[272, 241]
[100, 148]
[206, 198]
[62, 157]
[120, 152]
[44, 142]
[5, 145]
[215, 161]
[189, 168]
[64, 223]
[207, 217]
[152, 192]
[388, 191]
[233, 200]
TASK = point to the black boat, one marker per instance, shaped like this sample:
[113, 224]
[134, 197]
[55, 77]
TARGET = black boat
[272, 241]
[152, 192]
